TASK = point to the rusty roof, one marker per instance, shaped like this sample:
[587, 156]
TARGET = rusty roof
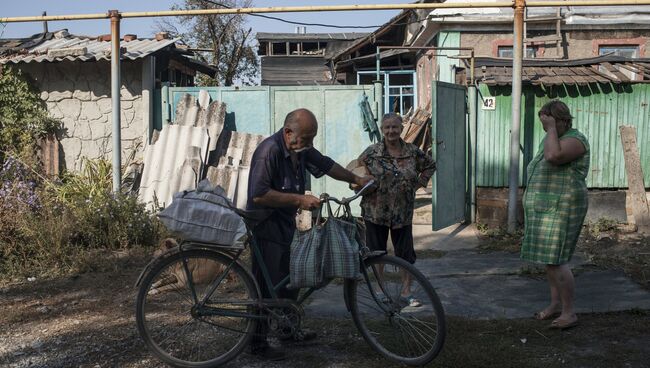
[603, 69]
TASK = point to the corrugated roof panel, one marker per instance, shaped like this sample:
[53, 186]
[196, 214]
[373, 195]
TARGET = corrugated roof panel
[173, 163]
[95, 50]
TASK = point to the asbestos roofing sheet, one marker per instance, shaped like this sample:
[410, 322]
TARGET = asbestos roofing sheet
[173, 163]
[94, 50]
[200, 112]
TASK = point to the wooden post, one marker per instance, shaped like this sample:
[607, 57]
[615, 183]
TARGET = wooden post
[635, 183]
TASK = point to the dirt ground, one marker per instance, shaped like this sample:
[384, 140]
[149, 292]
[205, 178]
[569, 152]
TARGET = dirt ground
[88, 321]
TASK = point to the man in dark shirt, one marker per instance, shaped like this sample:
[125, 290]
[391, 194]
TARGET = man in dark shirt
[277, 181]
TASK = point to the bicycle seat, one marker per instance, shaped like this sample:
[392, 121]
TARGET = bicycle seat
[253, 217]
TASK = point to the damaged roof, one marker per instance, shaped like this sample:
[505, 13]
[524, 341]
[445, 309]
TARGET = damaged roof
[263, 36]
[62, 46]
[602, 69]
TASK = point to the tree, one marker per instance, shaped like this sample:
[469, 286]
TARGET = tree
[231, 48]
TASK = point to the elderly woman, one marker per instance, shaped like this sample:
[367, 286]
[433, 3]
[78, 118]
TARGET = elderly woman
[555, 205]
[400, 168]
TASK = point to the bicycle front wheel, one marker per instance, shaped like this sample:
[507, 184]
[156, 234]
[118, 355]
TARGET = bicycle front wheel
[397, 311]
[181, 330]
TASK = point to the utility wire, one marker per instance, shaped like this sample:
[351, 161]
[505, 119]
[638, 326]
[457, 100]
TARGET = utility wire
[312, 24]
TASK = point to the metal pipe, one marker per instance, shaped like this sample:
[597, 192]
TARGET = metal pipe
[115, 99]
[517, 58]
[305, 9]
[45, 30]
[378, 63]
[471, 150]
[546, 4]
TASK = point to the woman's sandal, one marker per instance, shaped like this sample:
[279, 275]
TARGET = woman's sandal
[411, 301]
[542, 316]
[559, 324]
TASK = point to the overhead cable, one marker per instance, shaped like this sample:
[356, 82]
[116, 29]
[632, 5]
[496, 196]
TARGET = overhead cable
[311, 24]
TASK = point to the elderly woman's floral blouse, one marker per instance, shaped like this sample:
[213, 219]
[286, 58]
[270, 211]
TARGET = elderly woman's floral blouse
[393, 202]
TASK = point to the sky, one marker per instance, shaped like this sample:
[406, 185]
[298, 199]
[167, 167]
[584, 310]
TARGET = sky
[145, 27]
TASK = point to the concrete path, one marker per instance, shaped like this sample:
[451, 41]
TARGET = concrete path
[496, 284]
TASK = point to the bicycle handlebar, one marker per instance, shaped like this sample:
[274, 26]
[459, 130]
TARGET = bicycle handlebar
[345, 201]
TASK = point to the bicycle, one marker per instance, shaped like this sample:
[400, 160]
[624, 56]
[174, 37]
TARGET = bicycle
[206, 321]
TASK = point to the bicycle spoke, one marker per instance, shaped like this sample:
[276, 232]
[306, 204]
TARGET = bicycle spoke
[171, 322]
[402, 333]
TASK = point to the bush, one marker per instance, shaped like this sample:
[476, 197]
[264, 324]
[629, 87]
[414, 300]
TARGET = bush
[23, 117]
[51, 228]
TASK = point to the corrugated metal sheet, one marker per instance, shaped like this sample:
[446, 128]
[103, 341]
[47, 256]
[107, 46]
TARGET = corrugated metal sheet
[598, 110]
[94, 49]
[173, 163]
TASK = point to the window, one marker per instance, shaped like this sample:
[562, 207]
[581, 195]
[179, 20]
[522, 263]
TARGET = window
[313, 48]
[506, 52]
[629, 51]
[399, 89]
[279, 48]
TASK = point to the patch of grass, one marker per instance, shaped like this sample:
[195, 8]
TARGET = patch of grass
[499, 239]
[602, 225]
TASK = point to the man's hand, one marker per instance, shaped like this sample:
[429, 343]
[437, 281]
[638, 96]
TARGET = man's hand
[309, 202]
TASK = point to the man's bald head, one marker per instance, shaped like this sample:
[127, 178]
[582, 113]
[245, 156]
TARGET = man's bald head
[301, 120]
[300, 128]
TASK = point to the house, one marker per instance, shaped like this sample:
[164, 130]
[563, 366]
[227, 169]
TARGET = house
[593, 58]
[356, 64]
[300, 58]
[73, 74]
[551, 33]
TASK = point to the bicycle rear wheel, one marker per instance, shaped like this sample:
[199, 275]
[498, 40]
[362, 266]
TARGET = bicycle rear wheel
[184, 333]
[389, 321]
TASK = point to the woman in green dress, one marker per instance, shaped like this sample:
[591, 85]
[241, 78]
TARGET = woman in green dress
[555, 205]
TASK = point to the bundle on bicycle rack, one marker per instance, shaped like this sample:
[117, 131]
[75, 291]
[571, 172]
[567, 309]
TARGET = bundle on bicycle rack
[330, 249]
[204, 215]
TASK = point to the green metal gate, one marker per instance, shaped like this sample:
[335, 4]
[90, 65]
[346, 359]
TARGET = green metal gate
[262, 109]
[448, 119]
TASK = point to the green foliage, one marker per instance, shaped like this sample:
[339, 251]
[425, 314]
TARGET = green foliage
[602, 225]
[500, 239]
[74, 218]
[23, 118]
[94, 179]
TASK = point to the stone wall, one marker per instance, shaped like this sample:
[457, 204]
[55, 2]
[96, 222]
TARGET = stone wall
[78, 94]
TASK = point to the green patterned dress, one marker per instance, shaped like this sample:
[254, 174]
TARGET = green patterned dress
[555, 205]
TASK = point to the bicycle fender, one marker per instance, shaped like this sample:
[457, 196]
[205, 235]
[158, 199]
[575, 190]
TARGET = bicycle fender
[144, 272]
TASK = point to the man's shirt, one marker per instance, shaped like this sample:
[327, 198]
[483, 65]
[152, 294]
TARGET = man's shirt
[273, 169]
